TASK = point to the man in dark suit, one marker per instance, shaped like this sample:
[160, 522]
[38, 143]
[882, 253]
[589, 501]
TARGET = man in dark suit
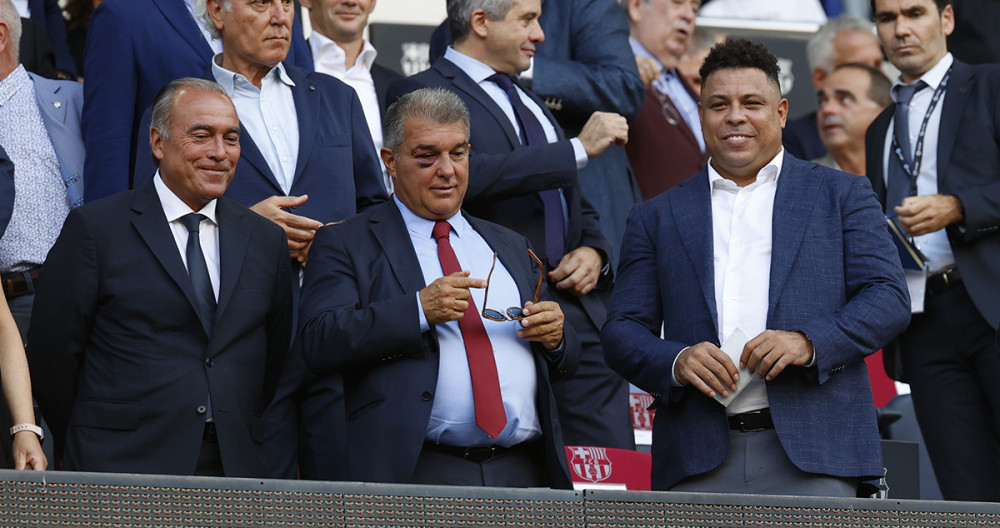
[339, 49]
[134, 48]
[158, 337]
[524, 177]
[437, 393]
[944, 194]
[49, 15]
[791, 259]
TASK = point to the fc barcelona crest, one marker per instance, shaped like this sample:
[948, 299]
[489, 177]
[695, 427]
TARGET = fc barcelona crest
[591, 463]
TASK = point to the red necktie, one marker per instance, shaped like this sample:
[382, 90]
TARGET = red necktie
[490, 415]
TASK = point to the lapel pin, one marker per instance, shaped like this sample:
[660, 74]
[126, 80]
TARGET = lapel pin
[57, 104]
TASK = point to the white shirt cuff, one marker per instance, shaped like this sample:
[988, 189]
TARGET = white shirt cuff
[579, 153]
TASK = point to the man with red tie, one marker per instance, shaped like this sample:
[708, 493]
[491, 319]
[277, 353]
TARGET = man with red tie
[444, 384]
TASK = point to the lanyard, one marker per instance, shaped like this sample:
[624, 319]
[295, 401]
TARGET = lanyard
[918, 151]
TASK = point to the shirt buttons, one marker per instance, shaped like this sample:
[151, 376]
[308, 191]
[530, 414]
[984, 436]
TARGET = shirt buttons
[202, 409]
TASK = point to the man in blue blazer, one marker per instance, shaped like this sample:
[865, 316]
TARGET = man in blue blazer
[796, 257]
[381, 307]
[507, 185]
[134, 48]
[948, 354]
[157, 342]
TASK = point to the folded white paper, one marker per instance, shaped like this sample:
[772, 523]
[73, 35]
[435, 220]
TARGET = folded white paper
[733, 347]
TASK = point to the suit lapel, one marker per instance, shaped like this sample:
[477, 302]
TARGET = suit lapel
[68, 145]
[251, 154]
[390, 231]
[151, 224]
[793, 201]
[952, 109]
[465, 83]
[307, 100]
[691, 207]
[177, 15]
[234, 236]
[875, 143]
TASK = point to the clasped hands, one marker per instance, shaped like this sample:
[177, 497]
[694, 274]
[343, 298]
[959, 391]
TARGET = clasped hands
[710, 370]
[447, 299]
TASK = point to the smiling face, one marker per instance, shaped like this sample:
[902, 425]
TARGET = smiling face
[430, 174]
[845, 111]
[914, 34]
[198, 160]
[256, 34]
[340, 20]
[664, 27]
[510, 43]
[742, 114]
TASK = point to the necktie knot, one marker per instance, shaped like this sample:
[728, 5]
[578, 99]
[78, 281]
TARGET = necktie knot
[192, 221]
[906, 92]
[502, 80]
[442, 229]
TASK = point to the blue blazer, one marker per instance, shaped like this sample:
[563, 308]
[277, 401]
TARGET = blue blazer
[361, 320]
[60, 104]
[121, 364]
[968, 162]
[834, 275]
[134, 48]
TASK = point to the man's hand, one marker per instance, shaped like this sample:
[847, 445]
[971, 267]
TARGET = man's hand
[28, 452]
[770, 352]
[920, 215]
[447, 298]
[298, 229]
[543, 324]
[649, 69]
[578, 270]
[601, 130]
[707, 368]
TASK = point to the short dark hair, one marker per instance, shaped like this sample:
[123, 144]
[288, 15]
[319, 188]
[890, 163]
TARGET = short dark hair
[740, 53]
[460, 14]
[941, 4]
[163, 103]
[879, 85]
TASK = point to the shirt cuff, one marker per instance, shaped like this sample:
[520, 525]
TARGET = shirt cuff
[579, 153]
[673, 380]
[424, 325]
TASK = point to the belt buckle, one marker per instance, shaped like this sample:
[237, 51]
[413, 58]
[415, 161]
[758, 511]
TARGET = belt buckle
[479, 453]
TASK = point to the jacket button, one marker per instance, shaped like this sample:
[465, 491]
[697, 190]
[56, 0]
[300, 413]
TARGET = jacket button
[426, 396]
[202, 409]
[210, 362]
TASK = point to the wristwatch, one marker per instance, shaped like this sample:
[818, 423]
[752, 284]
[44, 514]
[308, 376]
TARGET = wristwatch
[28, 427]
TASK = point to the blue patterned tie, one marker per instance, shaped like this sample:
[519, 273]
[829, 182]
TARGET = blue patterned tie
[198, 271]
[899, 183]
[534, 134]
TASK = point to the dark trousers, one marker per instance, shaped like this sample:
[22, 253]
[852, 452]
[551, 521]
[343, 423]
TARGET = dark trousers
[209, 458]
[951, 360]
[520, 467]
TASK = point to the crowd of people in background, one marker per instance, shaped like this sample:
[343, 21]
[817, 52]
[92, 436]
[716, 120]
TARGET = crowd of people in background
[229, 250]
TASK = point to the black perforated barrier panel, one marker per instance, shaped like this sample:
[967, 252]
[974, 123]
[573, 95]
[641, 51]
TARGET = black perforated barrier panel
[67, 499]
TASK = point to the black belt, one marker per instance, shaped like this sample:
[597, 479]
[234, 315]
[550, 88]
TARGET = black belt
[18, 283]
[749, 422]
[941, 281]
[210, 434]
[472, 453]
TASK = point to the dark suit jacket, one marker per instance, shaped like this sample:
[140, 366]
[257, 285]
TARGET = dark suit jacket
[801, 138]
[585, 65]
[35, 52]
[968, 161]
[505, 177]
[834, 275]
[49, 15]
[134, 48]
[361, 320]
[6, 189]
[121, 364]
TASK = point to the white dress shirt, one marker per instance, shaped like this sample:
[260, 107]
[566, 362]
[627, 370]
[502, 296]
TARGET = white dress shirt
[935, 246]
[329, 58]
[269, 116]
[453, 415]
[22, 8]
[208, 231]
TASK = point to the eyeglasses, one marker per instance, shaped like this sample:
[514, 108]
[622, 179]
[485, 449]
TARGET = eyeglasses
[513, 313]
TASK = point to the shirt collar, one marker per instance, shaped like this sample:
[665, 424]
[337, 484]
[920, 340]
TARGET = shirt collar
[174, 207]
[767, 173]
[932, 77]
[423, 227]
[640, 51]
[13, 83]
[327, 51]
[229, 80]
[476, 69]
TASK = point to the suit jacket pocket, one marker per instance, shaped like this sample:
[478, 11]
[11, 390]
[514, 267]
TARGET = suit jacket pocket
[104, 414]
[364, 409]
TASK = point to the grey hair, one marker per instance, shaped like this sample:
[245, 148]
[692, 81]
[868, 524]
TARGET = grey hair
[164, 102]
[819, 49]
[460, 14]
[10, 17]
[201, 14]
[433, 104]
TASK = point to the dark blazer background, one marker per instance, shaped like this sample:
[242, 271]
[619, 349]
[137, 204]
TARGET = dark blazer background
[134, 48]
[361, 320]
[120, 362]
[49, 15]
[834, 275]
[6, 189]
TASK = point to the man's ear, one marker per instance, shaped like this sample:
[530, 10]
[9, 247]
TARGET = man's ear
[632, 8]
[478, 23]
[390, 161]
[214, 8]
[156, 143]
